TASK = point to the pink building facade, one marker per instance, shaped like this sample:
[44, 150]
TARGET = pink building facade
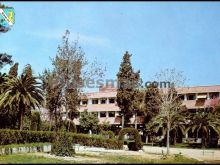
[104, 102]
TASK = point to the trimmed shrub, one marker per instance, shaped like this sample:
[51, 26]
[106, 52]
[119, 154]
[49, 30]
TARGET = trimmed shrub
[24, 136]
[62, 145]
[17, 137]
[137, 144]
[108, 134]
[35, 121]
[96, 141]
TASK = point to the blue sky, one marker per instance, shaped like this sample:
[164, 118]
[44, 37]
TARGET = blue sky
[159, 35]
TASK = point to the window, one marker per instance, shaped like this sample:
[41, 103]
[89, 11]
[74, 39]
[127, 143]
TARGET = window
[202, 96]
[181, 97]
[111, 114]
[95, 101]
[192, 110]
[112, 101]
[102, 114]
[191, 97]
[214, 95]
[84, 102]
[103, 101]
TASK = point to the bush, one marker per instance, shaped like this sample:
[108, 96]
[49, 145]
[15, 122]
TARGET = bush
[108, 134]
[24, 136]
[96, 141]
[137, 144]
[69, 126]
[16, 137]
[62, 145]
[45, 126]
[35, 121]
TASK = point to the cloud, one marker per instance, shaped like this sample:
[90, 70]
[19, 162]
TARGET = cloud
[56, 34]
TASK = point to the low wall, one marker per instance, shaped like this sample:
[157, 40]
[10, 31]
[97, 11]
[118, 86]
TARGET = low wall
[24, 149]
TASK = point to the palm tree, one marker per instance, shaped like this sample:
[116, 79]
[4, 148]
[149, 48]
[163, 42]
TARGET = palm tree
[159, 122]
[205, 121]
[22, 93]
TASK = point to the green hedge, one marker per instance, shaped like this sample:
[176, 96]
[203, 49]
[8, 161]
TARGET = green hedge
[108, 134]
[84, 139]
[17, 137]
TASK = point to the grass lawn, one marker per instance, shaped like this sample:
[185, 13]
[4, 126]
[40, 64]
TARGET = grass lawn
[93, 159]
[28, 158]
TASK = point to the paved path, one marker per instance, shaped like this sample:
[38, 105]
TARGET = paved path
[199, 154]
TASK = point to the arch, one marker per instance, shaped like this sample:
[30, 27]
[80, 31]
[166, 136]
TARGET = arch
[137, 145]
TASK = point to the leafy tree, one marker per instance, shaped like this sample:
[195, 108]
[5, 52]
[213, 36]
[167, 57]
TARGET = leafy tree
[88, 121]
[128, 83]
[104, 126]
[53, 95]
[5, 59]
[8, 116]
[72, 104]
[64, 83]
[169, 101]
[152, 102]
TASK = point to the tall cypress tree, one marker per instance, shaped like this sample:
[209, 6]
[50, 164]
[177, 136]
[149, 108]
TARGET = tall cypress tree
[28, 70]
[128, 81]
[14, 70]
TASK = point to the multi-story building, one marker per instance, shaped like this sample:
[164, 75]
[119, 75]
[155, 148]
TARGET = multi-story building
[104, 102]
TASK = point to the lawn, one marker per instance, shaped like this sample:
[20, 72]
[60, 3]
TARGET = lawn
[93, 159]
[28, 158]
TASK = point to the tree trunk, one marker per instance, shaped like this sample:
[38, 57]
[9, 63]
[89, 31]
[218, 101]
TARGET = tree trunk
[50, 125]
[135, 120]
[174, 140]
[123, 121]
[168, 138]
[68, 127]
[146, 141]
[21, 120]
[56, 120]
